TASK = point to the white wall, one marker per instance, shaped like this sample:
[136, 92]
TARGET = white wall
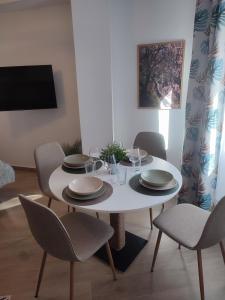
[39, 35]
[104, 28]
[93, 65]
[136, 22]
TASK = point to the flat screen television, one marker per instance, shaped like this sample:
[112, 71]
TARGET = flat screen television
[27, 87]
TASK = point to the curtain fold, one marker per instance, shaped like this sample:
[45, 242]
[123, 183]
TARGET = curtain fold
[205, 106]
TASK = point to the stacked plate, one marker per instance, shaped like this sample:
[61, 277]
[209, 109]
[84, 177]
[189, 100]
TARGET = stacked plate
[76, 161]
[85, 188]
[157, 180]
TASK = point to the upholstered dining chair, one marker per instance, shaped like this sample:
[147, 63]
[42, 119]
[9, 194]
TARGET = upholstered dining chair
[154, 144]
[47, 158]
[73, 237]
[193, 228]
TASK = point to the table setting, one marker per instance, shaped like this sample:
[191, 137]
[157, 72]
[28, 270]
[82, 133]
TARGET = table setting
[87, 190]
[115, 180]
[113, 164]
[78, 163]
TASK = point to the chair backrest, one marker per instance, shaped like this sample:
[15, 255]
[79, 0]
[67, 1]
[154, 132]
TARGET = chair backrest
[152, 142]
[47, 158]
[214, 230]
[48, 230]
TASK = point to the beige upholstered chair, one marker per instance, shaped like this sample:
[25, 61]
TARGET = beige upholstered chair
[194, 228]
[154, 144]
[47, 158]
[73, 237]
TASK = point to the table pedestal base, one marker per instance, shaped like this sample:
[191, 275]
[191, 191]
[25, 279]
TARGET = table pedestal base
[117, 241]
[124, 257]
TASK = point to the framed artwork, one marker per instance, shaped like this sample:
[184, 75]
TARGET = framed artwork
[160, 68]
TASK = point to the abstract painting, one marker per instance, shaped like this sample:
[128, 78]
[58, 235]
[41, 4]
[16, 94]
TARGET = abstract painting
[160, 67]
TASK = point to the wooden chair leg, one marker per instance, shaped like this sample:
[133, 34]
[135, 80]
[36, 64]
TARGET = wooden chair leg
[151, 218]
[200, 273]
[49, 201]
[222, 251]
[156, 250]
[111, 260]
[97, 215]
[74, 209]
[40, 273]
[71, 280]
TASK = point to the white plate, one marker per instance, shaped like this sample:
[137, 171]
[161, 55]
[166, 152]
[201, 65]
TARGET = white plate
[156, 177]
[73, 167]
[85, 197]
[76, 160]
[85, 185]
[172, 184]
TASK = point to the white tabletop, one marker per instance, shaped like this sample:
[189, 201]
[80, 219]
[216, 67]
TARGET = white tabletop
[123, 198]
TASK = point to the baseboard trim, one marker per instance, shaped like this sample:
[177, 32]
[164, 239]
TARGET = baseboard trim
[29, 169]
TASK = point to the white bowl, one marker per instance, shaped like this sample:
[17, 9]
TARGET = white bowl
[76, 160]
[156, 177]
[172, 184]
[85, 185]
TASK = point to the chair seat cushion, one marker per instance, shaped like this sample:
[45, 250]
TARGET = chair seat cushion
[184, 223]
[87, 233]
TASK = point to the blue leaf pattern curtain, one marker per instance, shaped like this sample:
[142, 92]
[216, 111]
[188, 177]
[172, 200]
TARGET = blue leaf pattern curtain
[205, 105]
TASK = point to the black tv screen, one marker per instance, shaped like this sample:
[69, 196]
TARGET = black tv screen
[27, 87]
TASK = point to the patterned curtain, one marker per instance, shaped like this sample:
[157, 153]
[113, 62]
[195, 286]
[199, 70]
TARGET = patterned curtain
[205, 105]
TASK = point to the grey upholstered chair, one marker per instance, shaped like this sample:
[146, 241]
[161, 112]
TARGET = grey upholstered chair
[47, 158]
[154, 144]
[193, 228]
[73, 237]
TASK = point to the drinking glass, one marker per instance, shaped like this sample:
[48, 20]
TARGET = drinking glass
[112, 164]
[135, 158]
[121, 175]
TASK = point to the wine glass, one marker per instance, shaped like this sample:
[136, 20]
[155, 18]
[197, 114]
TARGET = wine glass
[94, 154]
[119, 143]
[112, 168]
[111, 159]
[89, 168]
[135, 158]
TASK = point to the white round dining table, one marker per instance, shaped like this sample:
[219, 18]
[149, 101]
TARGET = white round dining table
[123, 198]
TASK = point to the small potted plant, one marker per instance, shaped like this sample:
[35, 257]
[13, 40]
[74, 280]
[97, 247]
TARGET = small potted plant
[113, 154]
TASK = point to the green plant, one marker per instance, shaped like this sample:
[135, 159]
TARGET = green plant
[75, 148]
[118, 151]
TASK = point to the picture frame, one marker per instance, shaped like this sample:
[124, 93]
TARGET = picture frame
[160, 70]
